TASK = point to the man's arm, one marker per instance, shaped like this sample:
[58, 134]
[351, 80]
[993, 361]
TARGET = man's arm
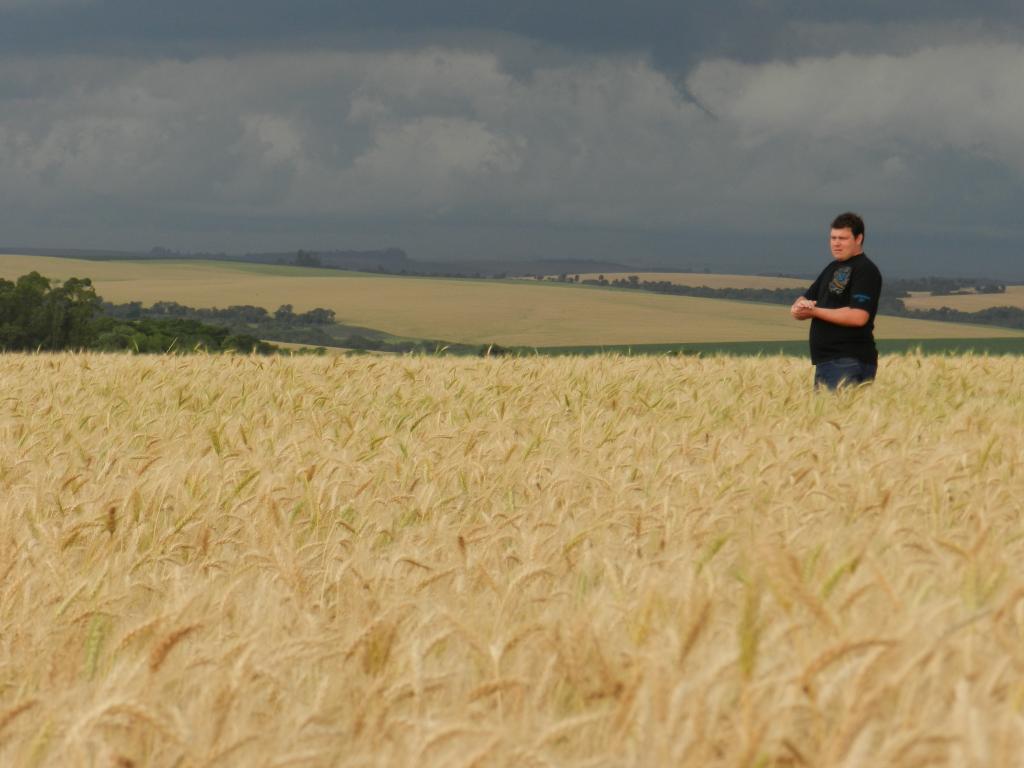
[846, 316]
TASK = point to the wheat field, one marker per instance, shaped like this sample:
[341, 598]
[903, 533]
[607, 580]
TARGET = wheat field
[603, 561]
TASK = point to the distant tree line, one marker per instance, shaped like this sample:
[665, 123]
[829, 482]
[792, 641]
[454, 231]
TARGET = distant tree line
[236, 313]
[307, 259]
[945, 286]
[318, 326]
[1004, 317]
[41, 314]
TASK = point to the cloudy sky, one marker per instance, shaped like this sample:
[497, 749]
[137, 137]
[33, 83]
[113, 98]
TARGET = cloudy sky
[724, 134]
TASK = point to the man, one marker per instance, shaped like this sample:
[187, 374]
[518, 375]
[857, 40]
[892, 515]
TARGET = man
[841, 305]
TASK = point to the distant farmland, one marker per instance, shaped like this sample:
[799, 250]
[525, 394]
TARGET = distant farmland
[469, 311]
[709, 280]
[969, 302]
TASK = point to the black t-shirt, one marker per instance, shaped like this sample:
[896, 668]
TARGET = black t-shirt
[855, 283]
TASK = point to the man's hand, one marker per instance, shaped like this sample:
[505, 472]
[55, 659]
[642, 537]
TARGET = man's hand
[802, 309]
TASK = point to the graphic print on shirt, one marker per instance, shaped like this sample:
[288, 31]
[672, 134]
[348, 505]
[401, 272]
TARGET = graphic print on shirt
[840, 279]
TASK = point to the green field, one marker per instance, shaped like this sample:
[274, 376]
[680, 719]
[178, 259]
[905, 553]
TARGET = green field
[508, 313]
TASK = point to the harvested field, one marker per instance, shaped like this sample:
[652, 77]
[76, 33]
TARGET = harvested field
[233, 561]
[969, 302]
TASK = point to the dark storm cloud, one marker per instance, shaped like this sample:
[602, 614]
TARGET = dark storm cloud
[675, 33]
[708, 133]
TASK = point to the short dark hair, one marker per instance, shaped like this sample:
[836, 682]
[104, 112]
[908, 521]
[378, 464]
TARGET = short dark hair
[851, 221]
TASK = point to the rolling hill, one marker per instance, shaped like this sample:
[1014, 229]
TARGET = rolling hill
[526, 313]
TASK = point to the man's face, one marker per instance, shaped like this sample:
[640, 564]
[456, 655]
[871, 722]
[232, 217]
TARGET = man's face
[844, 244]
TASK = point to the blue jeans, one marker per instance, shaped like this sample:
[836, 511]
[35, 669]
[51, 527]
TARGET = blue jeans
[843, 370]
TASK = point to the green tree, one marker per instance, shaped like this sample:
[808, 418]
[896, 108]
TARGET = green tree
[36, 313]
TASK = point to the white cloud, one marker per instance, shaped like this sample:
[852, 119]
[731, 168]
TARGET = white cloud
[275, 138]
[964, 98]
[423, 161]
